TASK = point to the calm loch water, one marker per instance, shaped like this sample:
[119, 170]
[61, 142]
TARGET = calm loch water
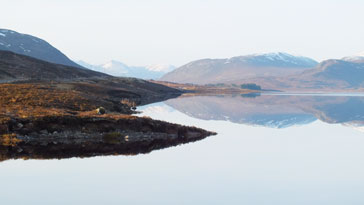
[270, 149]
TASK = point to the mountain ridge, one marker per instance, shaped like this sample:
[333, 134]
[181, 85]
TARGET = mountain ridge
[331, 74]
[32, 46]
[119, 69]
[14, 67]
[206, 71]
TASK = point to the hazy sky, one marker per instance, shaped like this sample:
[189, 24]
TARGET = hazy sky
[141, 32]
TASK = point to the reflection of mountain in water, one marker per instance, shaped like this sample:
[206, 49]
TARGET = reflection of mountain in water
[276, 111]
[280, 120]
[351, 110]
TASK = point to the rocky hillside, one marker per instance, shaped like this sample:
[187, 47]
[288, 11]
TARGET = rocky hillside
[20, 67]
[32, 46]
[208, 71]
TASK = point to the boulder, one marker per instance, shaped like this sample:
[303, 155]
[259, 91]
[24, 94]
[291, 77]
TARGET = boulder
[100, 111]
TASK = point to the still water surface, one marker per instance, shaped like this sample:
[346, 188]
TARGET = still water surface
[269, 150]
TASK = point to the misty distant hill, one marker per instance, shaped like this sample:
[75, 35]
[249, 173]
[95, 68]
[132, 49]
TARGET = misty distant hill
[32, 46]
[119, 69]
[20, 67]
[358, 58]
[350, 73]
[328, 75]
[275, 71]
[208, 71]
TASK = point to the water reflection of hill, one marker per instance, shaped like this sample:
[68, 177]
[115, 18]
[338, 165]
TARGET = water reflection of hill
[277, 111]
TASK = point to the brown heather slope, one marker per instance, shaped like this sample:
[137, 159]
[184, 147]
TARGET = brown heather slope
[200, 90]
[46, 120]
[68, 97]
[19, 67]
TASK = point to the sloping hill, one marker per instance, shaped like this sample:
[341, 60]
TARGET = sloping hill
[19, 67]
[237, 68]
[328, 75]
[351, 73]
[32, 46]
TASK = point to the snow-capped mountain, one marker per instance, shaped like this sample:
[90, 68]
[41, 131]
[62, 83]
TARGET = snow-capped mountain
[32, 46]
[120, 69]
[207, 71]
[115, 68]
[355, 58]
[161, 68]
[278, 59]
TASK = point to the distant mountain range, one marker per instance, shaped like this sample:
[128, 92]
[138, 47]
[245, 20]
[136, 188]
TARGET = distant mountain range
[15, 67]
[274, 71]
[333, 74]
[32, 46]
[208, 71]
[120, 69]
[280, 71]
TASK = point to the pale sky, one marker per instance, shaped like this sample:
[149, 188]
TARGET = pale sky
[142, 32]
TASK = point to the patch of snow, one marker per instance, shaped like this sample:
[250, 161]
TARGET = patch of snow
[285, 57]
[115, 68]
[160, 67]
[276, 56]
[357, 57]
[353, 58]
[25, 50]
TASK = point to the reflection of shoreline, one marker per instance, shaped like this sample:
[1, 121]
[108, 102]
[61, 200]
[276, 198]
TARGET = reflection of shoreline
[55, 148]
[278, 110]
[315, 94]
[251, 95]
[68, 136]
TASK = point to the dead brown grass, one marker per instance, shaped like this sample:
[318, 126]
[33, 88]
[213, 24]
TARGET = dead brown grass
[192, 89]
[24, 100]
[9, 140]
